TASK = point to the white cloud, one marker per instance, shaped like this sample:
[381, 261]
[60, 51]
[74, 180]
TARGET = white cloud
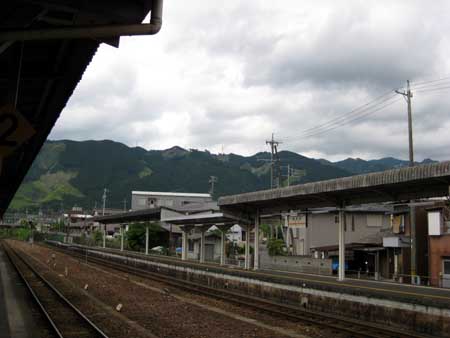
[232, 74]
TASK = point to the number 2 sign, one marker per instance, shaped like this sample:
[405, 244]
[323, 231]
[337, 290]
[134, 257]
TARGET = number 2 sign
[14, 130]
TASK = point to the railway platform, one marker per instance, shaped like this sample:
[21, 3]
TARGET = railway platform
[384, 290]
[19, 318]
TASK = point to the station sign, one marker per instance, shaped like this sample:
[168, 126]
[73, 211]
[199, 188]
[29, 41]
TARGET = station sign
[297, 221]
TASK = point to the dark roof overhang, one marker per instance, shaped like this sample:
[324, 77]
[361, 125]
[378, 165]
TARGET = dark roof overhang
[38, 77]
[145, 215]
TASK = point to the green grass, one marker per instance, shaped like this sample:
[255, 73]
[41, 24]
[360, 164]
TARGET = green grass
[49, 188]
[145, 172]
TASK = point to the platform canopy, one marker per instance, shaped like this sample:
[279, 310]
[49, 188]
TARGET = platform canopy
[424, 181]
[45, 47]
[202, 219]
[144, 215]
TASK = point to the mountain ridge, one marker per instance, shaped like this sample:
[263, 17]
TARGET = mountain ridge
[67, 172]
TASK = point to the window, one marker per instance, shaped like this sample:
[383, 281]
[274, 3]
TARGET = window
[434, 223]
[244, 235]
[398, 224]
[345, 223]
[151, 202]
[353, 223]
[447, 267]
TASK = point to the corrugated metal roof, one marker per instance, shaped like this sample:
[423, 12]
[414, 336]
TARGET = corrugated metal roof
[153, 214]
[201, 219]
[430, 180]
[171, 194]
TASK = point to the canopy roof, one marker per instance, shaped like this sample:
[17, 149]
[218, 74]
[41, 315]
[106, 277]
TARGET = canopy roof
[202, 219]
[144, 215]
[424, 181]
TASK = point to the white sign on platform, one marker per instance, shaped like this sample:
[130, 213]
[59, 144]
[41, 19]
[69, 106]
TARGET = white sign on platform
[298, 221]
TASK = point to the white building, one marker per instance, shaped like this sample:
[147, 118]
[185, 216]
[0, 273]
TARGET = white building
[174, 200]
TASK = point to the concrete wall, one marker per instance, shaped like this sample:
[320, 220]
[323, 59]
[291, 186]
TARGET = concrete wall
[296, 264]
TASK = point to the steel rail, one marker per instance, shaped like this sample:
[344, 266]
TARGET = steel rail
[340, 323]
[13, 256]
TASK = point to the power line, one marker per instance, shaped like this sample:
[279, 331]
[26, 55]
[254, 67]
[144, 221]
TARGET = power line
[427, 90]
[414, 84]
[347, 115]
[383, 101]
[354, 119]
[431, 86]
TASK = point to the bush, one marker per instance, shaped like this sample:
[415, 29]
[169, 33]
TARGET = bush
[136, 236]
[276, 247]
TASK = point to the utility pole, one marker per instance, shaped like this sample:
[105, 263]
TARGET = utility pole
[275, 169]
[412, 209]
[289, 175]
[212, 181]
[292, 173]
[104, 200]
[408, 95]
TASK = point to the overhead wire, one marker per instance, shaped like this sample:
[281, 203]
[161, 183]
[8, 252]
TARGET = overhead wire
[420, 83]
[381, 102]
[355, 119]
[367, 110]
[429, 90]
[350, 113]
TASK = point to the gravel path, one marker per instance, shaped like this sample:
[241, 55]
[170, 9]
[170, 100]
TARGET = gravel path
[148, 306]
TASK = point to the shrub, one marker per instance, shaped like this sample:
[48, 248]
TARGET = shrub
[276, 247]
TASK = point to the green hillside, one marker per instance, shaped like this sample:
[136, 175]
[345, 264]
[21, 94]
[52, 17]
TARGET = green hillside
[67, 173]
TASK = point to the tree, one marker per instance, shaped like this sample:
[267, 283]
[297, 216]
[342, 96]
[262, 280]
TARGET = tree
[157, 235]
[276, 247]
[97, 236]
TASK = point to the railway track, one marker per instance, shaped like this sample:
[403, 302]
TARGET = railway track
[339, 324]
[65, 319]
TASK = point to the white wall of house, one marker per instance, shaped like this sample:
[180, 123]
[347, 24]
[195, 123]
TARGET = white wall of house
[322, 229]
[211, 242]
[235, 234]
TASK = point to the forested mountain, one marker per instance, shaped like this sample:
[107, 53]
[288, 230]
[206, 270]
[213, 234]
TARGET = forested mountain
[68, 173]
[359, 166]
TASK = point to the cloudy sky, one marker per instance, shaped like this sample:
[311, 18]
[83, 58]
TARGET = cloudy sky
[229, 73]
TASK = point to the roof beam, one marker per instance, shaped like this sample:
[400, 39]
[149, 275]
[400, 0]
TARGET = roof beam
[90, 31]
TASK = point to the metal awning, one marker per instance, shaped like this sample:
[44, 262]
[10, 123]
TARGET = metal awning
[202, 219]
[45, 47]
[145, 215]
[424, 181]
